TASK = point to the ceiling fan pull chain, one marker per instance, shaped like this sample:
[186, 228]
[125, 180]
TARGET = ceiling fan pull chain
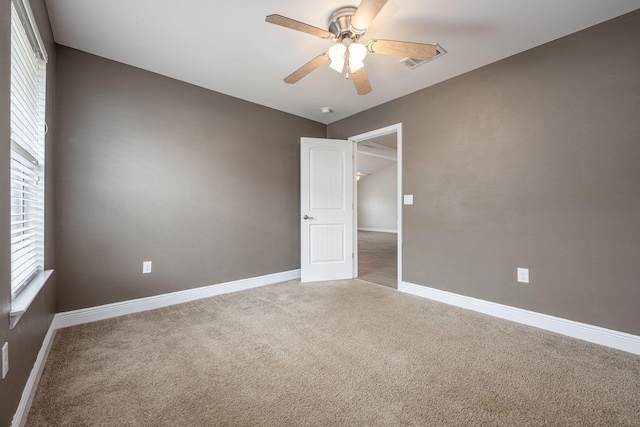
[346, 62]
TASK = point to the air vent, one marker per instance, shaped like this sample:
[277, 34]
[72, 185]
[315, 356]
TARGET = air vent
[412, 63]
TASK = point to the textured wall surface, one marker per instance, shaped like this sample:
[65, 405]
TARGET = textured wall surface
[528, 162]
[152, 169]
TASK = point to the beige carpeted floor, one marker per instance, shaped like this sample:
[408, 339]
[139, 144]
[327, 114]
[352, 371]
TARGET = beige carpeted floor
[378, 258]
[326, 354]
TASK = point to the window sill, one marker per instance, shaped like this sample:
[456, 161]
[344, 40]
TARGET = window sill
[22, 302]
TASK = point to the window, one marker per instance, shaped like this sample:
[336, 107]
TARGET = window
[28, 128]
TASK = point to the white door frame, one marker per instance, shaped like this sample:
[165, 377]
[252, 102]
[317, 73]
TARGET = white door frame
[397, 128]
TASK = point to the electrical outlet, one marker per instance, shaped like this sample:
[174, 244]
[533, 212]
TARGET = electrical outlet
[146, 267]
[5, 359]
[523, 275]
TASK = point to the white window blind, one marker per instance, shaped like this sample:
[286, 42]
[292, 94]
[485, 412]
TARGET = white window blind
[28, 81]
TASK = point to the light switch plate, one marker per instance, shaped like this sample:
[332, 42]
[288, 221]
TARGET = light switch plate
[408, 199]
[146, 267]
[523, 275]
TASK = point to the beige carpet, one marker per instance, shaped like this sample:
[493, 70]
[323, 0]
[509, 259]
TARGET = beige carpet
[344, 353]
[378, 258]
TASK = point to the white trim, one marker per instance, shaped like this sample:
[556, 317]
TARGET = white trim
[399, 148]
[29, 391]
[397, 128]
[595, 334]
[107, 311]
[377, 133]
[378, 230]
[21, 303]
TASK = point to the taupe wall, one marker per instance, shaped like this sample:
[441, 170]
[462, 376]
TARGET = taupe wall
[26, 338]
[149, 168]
[534, 162]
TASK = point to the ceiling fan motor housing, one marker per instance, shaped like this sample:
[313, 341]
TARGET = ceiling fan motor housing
[340, 24]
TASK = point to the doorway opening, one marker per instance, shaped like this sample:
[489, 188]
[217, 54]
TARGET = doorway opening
[377, 206]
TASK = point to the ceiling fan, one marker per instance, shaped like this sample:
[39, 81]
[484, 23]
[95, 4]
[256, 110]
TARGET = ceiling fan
[346, 26]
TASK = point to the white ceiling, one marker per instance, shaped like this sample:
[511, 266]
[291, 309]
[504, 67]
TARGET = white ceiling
[377, 154]
[227, 46]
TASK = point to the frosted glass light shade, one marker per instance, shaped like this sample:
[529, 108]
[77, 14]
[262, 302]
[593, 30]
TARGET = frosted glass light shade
[337, 65]
[357, 51]
[355, 65]
[336, 54]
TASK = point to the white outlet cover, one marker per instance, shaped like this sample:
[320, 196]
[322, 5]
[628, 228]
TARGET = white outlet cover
[523, 275]
[408, 199]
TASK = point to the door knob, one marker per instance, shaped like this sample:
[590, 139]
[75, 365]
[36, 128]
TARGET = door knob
[307, 217]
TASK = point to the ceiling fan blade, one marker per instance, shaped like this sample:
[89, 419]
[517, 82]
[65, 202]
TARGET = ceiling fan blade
[408, 49]
[361, 82]
[366, 13]
[283, 21]
[307, 68]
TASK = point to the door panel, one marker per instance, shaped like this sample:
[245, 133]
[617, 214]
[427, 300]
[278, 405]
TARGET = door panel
[327, 243]
[326, 214]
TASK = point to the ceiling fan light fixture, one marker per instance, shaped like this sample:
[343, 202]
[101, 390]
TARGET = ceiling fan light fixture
[357, 52]
[337, 65]
[347, 25]
[337, 55]
[355, 65]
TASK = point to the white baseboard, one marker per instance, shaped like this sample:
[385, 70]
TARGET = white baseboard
[595, 334]
[107, 311]
[379, 230]
[29, 391]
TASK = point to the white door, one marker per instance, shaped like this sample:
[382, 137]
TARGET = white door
[326, 212]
